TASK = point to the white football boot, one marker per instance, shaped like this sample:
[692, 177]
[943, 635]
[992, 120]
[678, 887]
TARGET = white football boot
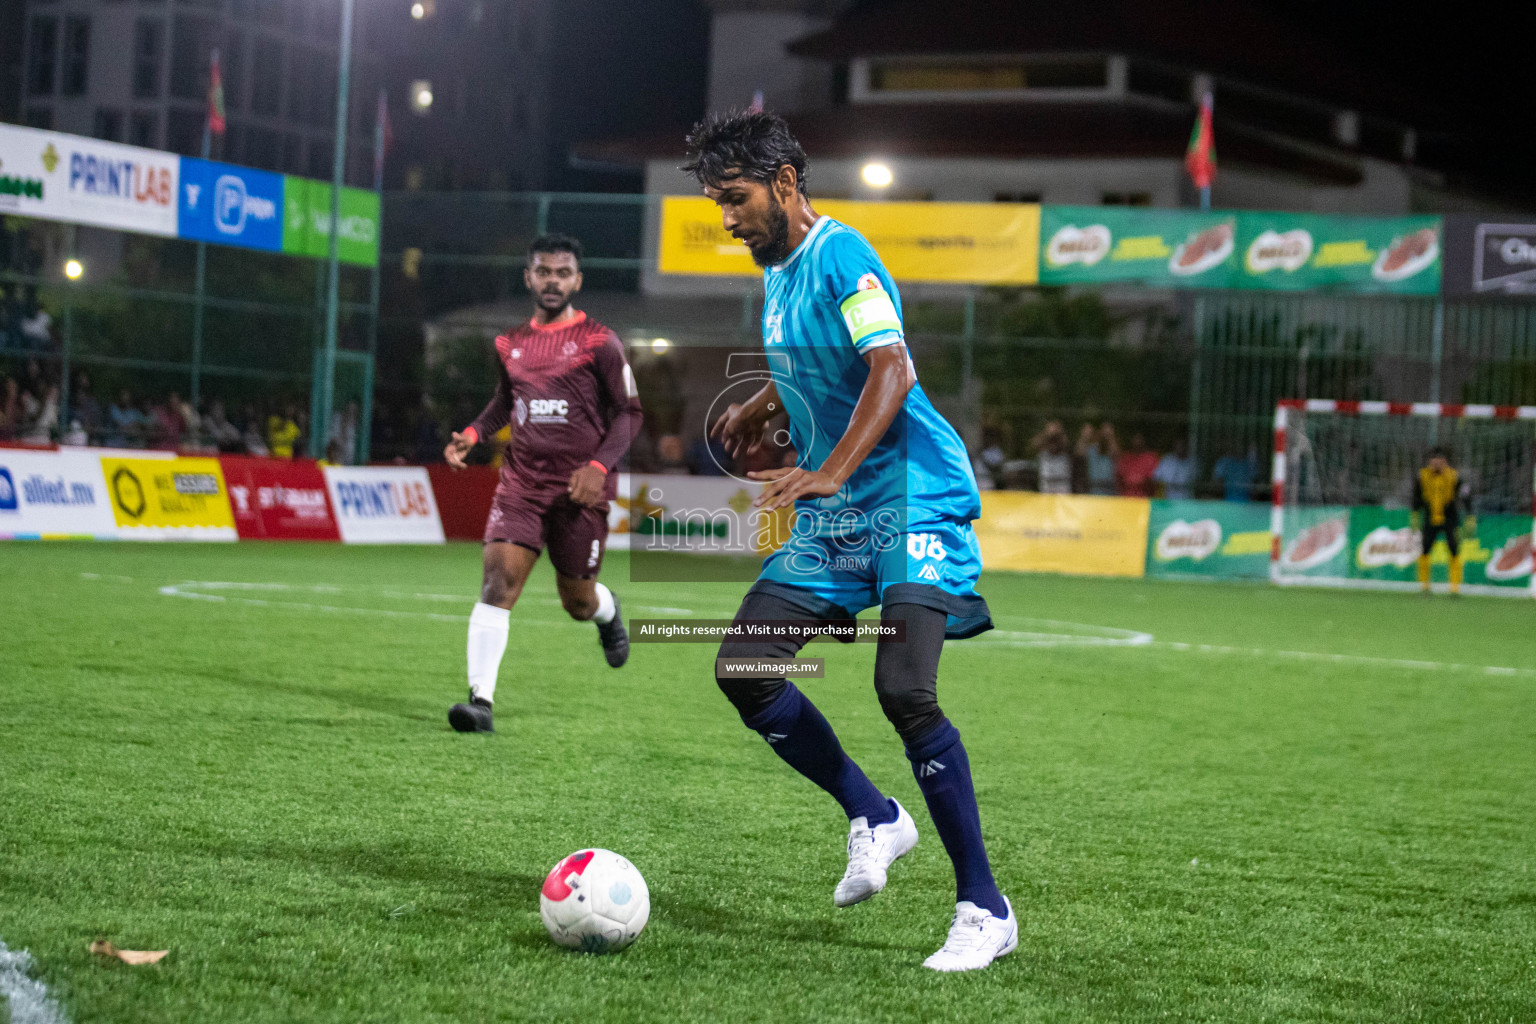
[976, 938]
[870, 852]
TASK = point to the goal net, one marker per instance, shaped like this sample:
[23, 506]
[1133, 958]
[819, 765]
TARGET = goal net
[1344, 477]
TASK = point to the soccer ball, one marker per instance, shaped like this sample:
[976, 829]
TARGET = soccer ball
[594, 901]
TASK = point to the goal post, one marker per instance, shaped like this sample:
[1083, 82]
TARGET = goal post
[1343, 475]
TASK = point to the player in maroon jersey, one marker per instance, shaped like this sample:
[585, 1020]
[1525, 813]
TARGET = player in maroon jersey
[565, 383]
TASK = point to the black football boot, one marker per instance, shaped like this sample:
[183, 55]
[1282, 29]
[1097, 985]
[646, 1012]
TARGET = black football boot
[472, 717]
[614, 639]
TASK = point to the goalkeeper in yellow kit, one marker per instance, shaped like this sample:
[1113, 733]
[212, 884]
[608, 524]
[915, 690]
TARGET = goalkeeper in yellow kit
[1437, 491]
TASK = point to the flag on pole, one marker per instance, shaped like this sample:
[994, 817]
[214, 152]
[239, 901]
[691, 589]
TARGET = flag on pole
[1200, 158]
[215, 97]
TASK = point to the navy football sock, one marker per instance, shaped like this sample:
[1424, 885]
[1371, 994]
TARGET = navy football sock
[944, 775]
[804, 739]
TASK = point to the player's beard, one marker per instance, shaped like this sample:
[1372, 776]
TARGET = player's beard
[776, 248]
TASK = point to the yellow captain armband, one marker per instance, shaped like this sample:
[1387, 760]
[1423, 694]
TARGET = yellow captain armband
[868, 312]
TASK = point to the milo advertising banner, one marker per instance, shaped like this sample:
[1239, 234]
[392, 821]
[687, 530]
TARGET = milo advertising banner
[1232, 249]
[1298, 251]
[1170, 248]
[1495, 549]
[1217, 539]
[1314, 542]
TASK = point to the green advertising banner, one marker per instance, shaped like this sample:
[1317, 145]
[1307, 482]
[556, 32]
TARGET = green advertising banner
[1495, 549]
[1231, 249]
[307, 221]
[1307, 252]
[1171, 248]
[1219, 539]
[1315, 541]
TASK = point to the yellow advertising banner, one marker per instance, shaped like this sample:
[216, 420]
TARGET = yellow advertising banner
[1067, 533]
[169, 497]
[953, 243]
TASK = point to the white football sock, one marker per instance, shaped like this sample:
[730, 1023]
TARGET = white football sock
[487, 643]
[605, 609]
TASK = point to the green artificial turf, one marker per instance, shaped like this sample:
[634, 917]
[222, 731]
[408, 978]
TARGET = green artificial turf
[1247, 830]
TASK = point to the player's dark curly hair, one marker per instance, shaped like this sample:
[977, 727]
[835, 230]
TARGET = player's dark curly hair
[556, 242]
[743, 144]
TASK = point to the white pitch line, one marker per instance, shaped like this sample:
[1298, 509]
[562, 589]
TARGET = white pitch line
[29, 1000]
[175, 590]
[1348, 659]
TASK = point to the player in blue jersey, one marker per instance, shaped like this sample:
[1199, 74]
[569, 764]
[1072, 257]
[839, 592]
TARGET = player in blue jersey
[884, 498]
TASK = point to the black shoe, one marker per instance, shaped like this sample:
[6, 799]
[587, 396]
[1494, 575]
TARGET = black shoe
[472, 717]
[614, 639]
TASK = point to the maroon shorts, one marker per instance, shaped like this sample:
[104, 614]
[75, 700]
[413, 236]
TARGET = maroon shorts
[575, 534]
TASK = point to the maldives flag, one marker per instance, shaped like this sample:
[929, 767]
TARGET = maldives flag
[215, 97]
[1200, 158]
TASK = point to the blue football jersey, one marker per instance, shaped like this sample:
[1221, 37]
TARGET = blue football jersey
[826, 305]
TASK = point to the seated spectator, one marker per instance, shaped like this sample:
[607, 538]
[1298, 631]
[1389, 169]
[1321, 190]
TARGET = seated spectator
[1098, 449]
[1134, 469]
[37, 327]
[42, 424]
[1176, 472]
[252, 440]
[169, 424]
[84, 408]
[124, 429]
[1235, 474]
[75, 434]
[219, 432]
[669, 455]
[707, 457]
[991, 460]
[1053, 459]
[283, 432]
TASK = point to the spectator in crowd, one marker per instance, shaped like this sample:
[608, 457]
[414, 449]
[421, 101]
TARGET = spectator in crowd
[1134, 469]
[1098, 449]
[254, 443]
[669, 455]
[191, 418]
[1176, 472]
[169, 423]
[988, 466]
[333, 453]
[42, 417]
[221, 433]
[84, 407]
[1235, 473]
[75, 434]
[10, 409]
[1053, 455]
[123, 427]
[283, 432]
[707, 457]
[36, 325]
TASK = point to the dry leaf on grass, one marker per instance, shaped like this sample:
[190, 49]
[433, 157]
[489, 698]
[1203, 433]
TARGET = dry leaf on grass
[129, 956]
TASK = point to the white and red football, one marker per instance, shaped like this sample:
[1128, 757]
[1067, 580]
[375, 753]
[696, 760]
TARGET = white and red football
[595, 901]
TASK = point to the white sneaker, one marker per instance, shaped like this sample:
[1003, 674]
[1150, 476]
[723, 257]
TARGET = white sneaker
[976, 938]
[870, 852]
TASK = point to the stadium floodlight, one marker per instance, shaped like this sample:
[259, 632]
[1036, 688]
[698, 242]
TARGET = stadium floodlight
[418, 11]
[73, 269]
[660, 344]
[877, 175]
[421, 96]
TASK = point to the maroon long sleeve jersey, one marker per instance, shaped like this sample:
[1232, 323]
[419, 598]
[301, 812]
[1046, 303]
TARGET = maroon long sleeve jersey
[572, 396]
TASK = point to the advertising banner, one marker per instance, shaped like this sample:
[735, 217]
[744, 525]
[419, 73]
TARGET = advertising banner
[1489, 258]
[1218, 539]
[1227, 249]
[68, 178]
[273, 499]
[1314, 541]
[1495, 549]
[53, 495]
[168, 498]
[1301, 252]
[1077, 534]
[1166, 248]
[960, 243]
[307, 221]
[694, 515]
[384, 504]
[231, 205]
